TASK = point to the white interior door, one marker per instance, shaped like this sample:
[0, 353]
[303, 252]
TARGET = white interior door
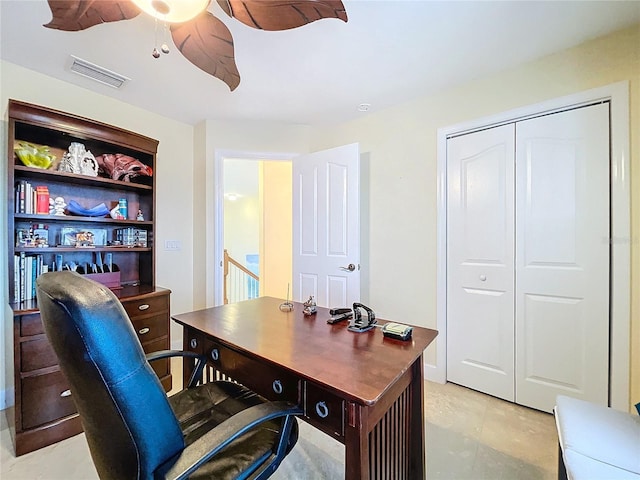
[326, 226]
[562, 257]
[480, 278]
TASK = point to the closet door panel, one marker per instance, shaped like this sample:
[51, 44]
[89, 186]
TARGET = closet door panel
[480, 328]
[562, 257]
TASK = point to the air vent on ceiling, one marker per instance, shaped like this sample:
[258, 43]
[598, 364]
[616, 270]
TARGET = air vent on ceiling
[97, 73]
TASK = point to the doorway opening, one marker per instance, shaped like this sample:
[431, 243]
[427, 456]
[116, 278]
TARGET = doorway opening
[252, 221]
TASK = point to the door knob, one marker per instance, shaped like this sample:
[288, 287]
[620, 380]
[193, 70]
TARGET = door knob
[483, 278]
[349, 268]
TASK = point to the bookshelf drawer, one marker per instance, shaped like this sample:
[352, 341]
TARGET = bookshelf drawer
[146, 306]
[36, 354]
[45, 398]
[30, 325]
[150, 328]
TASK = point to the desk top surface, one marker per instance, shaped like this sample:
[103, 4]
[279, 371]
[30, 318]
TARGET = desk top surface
[361, 366]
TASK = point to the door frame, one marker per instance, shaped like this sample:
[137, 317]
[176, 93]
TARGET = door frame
[214, 277]
[620, 287]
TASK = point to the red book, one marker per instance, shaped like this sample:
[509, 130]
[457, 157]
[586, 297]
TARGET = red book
[42, 200]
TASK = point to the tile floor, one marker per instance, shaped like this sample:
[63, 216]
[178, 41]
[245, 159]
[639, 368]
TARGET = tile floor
[469, 436]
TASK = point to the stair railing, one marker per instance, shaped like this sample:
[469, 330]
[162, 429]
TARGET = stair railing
[240, 283]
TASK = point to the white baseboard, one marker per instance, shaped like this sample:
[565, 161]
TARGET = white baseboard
[434, 374]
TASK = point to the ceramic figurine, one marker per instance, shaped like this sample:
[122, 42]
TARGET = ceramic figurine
[79, 160]
[88, 165]
[140, 216]
[309, 306]
[57, 206]
[116, 214]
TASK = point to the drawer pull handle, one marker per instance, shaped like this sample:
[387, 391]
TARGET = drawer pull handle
[322, 410]
[215, 354]
[144, 330]
[277, 387]
[144, 306]
[66, 393]
[193, 343]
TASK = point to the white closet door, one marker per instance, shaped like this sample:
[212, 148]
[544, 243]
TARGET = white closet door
[480, 302]
[562, 257]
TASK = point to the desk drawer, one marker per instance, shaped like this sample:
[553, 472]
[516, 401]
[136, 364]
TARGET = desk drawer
[45, 398]
[146, 306]
[270, 382]
[324, 410]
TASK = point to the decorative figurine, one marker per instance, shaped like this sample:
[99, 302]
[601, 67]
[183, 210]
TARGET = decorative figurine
[309, 306]
[140, 216]
[57, 206]
[116, 213]
[79, 160]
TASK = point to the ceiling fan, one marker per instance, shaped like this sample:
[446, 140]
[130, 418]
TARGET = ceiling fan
[202, 38]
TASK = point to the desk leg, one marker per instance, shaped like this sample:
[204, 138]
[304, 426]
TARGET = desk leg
[418, 461]
[356, 443]
[386, 440]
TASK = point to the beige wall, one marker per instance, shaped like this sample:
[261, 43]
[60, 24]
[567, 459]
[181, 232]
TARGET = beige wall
[400, 147]
[276, 237]
[174, 175]
[401, 143]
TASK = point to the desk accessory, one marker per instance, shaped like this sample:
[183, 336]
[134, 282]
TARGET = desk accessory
[339, 317]
[309, 307]
[397, 331]
[286, 306]
[359, 323]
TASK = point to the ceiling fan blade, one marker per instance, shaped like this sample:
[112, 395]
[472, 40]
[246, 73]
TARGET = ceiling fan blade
[282, 14]
[74, 15]
[207, 43]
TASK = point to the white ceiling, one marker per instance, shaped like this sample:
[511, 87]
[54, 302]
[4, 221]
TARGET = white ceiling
[390, 51]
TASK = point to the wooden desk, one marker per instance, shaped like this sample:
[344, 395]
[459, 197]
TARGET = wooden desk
[365, 390]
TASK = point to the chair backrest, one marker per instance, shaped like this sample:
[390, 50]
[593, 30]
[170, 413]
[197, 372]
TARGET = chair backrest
[124, 410]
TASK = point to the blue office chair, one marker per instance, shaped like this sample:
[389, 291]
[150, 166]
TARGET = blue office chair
[216, 430]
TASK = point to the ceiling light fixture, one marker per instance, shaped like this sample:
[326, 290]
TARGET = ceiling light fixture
[364, 107]
[201, 37]
[172, 11]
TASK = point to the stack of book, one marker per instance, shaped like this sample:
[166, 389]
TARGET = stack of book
[26, 268]
[31, 200]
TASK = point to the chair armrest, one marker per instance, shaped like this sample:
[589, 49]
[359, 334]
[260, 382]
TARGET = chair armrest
[201, 361]
[212, 442]
[171, 353]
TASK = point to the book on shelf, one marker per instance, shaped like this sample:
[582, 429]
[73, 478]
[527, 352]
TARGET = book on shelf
[26, 269]
[42, 199]
[31, 200]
